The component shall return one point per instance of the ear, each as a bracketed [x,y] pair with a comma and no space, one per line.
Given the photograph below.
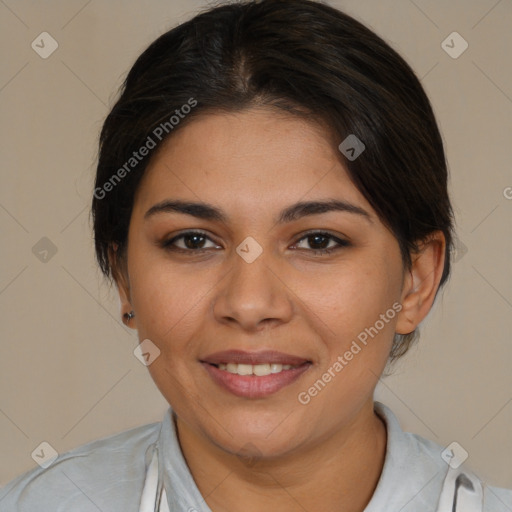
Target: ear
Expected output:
[120,275]
[421,282]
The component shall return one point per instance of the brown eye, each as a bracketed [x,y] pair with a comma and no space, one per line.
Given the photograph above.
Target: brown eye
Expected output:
[191,241]
[319,241]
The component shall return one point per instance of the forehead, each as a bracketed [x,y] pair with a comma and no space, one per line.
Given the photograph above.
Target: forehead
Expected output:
[252,160]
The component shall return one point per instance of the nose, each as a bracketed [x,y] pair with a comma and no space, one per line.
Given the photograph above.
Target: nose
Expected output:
[254,295]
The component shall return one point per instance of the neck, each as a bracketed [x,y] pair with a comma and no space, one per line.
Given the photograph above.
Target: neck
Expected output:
[338,473]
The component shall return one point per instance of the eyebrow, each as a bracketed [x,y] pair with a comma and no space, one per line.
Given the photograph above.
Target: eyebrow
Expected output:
[293,212]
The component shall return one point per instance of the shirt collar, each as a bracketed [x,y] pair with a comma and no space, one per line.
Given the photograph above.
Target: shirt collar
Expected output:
[413,471]
[182,492]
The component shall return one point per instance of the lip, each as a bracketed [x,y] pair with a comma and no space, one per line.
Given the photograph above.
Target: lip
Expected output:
[252,386]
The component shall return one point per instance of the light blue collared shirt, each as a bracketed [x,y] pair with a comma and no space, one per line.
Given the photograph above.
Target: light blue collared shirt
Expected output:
[108,475]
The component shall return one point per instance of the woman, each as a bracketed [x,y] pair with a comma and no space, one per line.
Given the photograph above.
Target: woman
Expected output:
[271,202]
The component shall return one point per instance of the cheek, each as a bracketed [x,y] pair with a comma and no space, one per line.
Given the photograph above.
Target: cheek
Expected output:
[169,300]
[170,304]
[354,318]
[349,299]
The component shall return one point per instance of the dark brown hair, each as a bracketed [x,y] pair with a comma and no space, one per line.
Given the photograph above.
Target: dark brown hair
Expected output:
[300,56]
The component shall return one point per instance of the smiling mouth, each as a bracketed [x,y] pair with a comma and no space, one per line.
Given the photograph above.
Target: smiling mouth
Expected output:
[258,370]
[258,380]
[254,374]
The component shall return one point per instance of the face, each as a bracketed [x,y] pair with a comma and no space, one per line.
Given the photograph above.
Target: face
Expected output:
[250,281]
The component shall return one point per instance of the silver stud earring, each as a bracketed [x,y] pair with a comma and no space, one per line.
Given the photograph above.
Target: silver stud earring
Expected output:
[129,315]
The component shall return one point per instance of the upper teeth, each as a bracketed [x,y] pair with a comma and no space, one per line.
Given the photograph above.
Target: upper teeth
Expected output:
[255,369]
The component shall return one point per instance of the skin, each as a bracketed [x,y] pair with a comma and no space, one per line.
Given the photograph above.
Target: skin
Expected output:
[326,455]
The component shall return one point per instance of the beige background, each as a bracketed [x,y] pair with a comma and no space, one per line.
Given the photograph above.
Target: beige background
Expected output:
[67,372]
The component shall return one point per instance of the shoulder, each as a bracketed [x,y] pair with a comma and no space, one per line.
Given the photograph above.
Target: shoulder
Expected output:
[497,499]
[417,471]
[90,477]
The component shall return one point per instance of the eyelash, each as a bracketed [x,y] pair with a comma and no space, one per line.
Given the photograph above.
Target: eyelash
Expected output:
[168,245]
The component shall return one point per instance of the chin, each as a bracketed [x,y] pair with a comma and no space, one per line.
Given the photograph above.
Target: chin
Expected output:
[253,436]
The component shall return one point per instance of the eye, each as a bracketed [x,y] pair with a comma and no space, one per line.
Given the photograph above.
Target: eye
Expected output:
[194,242]
[320,241]
[191,241]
